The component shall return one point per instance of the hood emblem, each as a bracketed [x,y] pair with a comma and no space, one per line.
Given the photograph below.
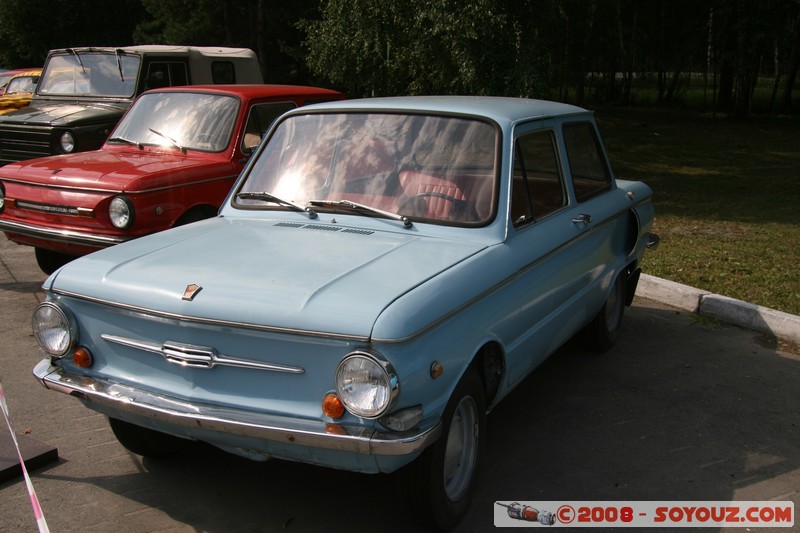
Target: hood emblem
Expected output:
[191,291]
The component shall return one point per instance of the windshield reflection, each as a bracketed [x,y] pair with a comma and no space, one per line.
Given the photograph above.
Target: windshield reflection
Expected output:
[436,168]
[191,121]
[90,73]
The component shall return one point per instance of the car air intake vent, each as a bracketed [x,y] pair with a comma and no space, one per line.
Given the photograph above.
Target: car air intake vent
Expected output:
[321,227]
[290,225]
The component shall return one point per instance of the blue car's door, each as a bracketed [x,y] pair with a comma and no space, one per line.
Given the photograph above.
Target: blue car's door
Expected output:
[568,221]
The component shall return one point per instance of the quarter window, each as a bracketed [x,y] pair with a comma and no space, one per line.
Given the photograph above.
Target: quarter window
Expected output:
[590,173]
[166,74]
[223,72]
[538,187]
[261,118]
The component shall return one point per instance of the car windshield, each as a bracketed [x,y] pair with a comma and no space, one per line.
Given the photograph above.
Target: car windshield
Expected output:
[185,120]
[82,73]
[424,167]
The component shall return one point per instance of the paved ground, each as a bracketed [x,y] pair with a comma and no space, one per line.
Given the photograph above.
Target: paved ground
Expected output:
[681,409]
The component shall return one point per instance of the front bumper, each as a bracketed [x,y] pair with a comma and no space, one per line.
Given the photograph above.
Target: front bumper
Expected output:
[173,412]
[59,235]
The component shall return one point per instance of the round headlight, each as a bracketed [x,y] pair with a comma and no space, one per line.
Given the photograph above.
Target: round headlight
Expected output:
[53,329]
[67,142]
[120,211]
[366,385]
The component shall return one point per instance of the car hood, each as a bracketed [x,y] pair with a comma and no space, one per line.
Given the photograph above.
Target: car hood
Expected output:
[44,113]
[15,101]
[305,277]
[107,170]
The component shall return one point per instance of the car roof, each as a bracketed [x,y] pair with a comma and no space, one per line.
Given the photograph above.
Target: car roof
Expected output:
[253,90]
[161,49]
[28,72]
[15,71]
[498,108]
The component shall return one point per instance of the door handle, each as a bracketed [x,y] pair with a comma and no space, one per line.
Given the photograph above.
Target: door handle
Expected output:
[582,219]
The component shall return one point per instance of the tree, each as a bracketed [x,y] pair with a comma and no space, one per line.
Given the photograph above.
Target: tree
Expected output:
[742,34]
[788,51]
[195,22]
[579,50]
[269,27]
[373,47]
[30,28]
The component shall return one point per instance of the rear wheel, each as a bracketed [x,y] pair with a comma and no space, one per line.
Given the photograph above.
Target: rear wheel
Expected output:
[146,442]
[601,333]
[438,486]
[50,261]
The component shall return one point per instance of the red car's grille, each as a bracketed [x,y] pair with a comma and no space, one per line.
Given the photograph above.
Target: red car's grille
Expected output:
[48,208]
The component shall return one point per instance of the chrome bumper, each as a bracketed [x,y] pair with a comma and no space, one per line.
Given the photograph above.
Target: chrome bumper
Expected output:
[287,430]
[65,236]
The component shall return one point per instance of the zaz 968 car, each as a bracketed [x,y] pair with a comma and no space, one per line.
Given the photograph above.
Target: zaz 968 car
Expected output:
[382,273]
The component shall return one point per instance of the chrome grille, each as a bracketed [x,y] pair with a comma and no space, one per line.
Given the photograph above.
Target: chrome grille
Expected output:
[49,208]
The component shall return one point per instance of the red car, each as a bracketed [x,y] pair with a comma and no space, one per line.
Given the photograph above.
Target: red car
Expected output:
[171,160]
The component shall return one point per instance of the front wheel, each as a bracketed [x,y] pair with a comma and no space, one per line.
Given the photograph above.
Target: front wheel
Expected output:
[50,261]
[438,486]
[146,442]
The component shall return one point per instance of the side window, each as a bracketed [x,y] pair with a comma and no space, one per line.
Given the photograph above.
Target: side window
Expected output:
[261,118]
[590,174]
[22,84]
[165,74]
[538,188]
[223,72]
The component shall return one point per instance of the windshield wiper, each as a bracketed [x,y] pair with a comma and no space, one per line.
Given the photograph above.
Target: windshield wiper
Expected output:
[361,207]
[269,197]
[123,140]
[170,139]
[119,64]
[78,57]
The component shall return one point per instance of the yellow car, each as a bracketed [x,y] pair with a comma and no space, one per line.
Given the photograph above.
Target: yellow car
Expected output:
[17,93]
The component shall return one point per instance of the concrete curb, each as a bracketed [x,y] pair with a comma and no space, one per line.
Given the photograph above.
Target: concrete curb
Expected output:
[763,319]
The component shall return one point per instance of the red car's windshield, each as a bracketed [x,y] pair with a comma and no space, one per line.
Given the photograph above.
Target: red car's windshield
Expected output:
[190,120]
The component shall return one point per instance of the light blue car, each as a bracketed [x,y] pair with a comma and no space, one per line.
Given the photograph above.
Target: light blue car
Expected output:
[383,272]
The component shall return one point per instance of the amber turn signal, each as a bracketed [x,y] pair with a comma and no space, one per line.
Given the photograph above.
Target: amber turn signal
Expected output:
[82,358]
[332,406]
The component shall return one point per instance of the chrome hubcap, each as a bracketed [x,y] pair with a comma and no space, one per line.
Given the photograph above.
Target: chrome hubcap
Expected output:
[461,450]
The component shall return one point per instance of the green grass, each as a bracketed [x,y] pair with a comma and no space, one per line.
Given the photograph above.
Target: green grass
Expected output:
[727,198]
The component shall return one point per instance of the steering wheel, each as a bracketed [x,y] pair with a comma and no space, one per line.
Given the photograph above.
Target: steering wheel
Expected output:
[457,204]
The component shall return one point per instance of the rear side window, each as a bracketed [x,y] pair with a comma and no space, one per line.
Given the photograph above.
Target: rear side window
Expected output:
[261,118]
[590,173]
[166,74]
[223,72]
[538,188]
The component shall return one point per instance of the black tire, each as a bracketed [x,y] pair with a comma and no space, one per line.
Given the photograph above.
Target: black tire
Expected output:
[602,332]
[50,261]
[195,215]
[146,442]
[437,488]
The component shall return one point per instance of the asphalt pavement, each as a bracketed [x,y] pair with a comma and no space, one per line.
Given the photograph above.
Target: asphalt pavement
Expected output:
[684,408]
